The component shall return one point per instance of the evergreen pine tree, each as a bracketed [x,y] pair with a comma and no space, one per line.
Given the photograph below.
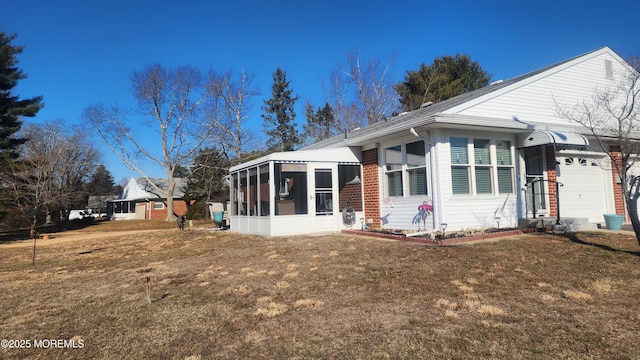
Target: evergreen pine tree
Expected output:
[101,183]
[446,77]
[11,107]
[279,116]
[321,123]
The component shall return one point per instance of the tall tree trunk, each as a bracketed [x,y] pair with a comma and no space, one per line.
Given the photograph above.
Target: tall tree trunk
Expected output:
[170,189]
[631,194]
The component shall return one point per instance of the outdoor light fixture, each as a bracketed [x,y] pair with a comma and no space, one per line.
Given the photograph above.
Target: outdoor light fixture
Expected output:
[497,219]
[444,228]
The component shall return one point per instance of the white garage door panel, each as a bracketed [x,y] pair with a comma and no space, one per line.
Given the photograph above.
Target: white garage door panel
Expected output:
[584,192]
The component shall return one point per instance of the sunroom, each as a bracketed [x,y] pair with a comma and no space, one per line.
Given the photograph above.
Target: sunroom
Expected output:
[298,192]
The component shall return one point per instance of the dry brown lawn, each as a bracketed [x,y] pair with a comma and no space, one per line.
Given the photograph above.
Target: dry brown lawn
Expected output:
[221,295]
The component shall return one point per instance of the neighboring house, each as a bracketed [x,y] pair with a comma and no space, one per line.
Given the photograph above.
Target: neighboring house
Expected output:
[472,158]
[98,204]
[141,200]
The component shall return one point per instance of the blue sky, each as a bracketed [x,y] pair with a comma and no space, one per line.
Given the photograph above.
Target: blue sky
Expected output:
[82,52]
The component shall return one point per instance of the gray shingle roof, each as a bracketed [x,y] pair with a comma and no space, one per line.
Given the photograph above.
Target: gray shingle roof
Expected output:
[140,188]
[163,184]
[429,112]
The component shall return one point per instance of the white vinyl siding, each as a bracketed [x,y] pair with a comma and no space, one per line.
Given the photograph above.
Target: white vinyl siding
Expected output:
[536,98]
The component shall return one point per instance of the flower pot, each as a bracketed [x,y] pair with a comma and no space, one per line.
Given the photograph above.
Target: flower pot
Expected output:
[613,221]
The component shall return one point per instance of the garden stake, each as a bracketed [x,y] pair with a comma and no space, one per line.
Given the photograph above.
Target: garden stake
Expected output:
[149,289]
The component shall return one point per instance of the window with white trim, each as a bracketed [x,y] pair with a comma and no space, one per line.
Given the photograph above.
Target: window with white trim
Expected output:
[482,156]
[406,169]
[460,166]
[505,166]
[393,170]
[492,170]
[416,167]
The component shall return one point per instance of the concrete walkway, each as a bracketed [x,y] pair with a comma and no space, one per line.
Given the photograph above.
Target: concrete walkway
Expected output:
[626,229]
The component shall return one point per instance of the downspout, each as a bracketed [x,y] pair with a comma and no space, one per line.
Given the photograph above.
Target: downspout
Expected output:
[381,190]
[437,194]
[521,174]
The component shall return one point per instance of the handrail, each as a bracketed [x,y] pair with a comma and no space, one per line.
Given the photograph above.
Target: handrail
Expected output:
[533,195]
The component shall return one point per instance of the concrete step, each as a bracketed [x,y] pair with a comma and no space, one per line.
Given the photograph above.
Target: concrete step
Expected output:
[566,224]
[571,227]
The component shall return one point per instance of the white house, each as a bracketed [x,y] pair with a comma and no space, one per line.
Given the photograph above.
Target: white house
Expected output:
[473,158]
[141,200]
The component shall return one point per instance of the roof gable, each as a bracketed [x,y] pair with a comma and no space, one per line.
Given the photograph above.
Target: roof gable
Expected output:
[532,97]
[533,91]
[141,188]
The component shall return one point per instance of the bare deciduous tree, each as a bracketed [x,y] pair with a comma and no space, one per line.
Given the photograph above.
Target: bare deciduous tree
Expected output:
[229,109]
[362,91]
[348,114]
[52,170]
[172,99]
[612,117]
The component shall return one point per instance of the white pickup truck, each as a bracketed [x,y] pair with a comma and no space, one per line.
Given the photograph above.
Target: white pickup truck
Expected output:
[80,214]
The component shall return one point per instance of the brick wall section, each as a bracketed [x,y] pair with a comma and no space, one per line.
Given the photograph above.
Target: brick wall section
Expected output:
[618,197]
[179,208]
[371,186]
[351,194]
[552,176]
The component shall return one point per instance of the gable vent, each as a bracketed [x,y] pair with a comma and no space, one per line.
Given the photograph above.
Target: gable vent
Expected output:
[608,69]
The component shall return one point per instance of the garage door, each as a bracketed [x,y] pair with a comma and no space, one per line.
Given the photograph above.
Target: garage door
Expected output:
[586,180]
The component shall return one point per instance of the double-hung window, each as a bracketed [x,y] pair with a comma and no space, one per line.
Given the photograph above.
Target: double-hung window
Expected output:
[460,170]
[393,170]
[505,166]
[486,167]
[406,169]
[416,168]
[482,157]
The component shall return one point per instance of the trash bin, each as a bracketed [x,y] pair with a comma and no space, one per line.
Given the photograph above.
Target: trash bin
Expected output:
[217,217]
[613,221]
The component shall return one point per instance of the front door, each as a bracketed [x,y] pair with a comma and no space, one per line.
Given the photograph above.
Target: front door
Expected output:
[536,190]
[323,205]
